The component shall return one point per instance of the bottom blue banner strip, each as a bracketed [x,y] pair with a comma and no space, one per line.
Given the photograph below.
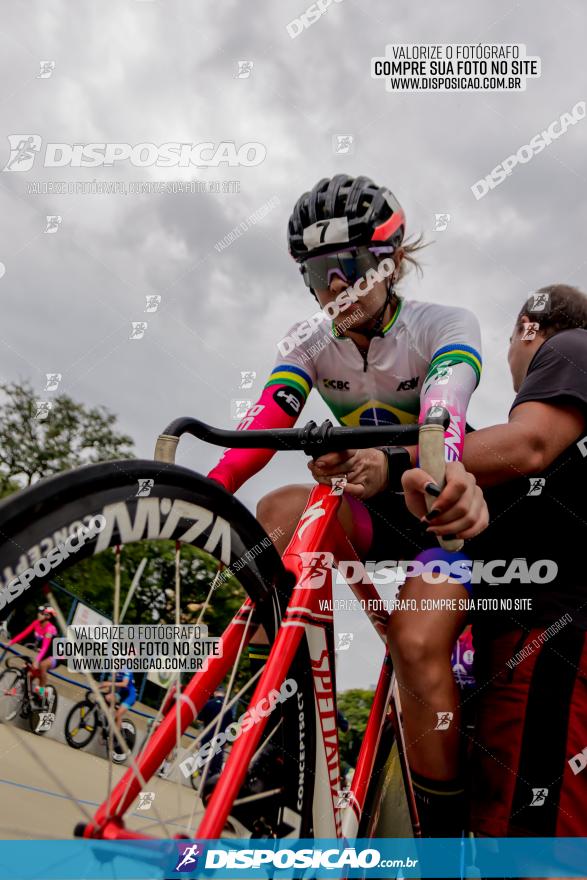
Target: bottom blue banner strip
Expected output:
[228,859]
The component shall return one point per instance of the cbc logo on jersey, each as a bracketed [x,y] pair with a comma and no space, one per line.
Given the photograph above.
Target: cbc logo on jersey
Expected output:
[337,384]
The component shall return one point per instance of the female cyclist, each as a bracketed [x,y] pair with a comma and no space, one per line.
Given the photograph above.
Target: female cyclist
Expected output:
[383,359]
[43,630]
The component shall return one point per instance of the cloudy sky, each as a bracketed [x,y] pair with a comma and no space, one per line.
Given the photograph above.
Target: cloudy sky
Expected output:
[156,71]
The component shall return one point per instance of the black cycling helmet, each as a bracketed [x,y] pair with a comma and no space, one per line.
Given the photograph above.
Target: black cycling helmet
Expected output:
[341,212]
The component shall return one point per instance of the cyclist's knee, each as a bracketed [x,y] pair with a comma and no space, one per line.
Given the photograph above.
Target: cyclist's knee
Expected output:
[420,660]
[280,506]
[409,644]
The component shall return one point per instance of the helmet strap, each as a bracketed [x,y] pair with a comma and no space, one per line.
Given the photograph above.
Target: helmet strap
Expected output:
[378,317]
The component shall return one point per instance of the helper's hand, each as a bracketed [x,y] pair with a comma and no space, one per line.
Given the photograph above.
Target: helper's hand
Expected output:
[462,510]
[365,470]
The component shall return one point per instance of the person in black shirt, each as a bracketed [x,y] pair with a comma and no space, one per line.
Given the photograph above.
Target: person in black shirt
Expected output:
[531,470]
[529,758]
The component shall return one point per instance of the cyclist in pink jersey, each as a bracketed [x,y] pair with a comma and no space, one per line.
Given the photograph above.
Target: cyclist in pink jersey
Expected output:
[43,630]
[377,358]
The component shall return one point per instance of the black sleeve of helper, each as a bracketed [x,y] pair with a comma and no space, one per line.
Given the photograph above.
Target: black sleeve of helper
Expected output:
[558,371]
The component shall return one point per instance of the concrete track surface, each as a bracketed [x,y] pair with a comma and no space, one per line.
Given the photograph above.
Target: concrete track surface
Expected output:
[33,805]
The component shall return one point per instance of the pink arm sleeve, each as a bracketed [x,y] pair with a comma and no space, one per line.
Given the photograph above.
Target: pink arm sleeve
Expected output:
[44,648]
[23,634]
[237,465]
[451,389]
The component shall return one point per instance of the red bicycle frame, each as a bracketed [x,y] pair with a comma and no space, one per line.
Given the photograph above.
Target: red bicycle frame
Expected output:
[308,615]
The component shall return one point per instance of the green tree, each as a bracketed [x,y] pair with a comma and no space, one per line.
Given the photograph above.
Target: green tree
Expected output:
[71,435]
[154,599]
[7,487]
[355,705]
[92,581]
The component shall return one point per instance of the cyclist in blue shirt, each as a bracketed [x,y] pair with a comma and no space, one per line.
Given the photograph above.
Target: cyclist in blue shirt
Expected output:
[122,688]
[210,711]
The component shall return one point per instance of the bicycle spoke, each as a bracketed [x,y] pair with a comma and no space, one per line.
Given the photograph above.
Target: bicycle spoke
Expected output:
[178,681]
[243,641]
[132,586]
[263,744]
[111,723]
[160,822]
[111,720]
[250,798]
[44,766]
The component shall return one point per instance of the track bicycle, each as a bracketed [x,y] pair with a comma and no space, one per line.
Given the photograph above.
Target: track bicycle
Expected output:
[184,509]
[17,697]
[86,718]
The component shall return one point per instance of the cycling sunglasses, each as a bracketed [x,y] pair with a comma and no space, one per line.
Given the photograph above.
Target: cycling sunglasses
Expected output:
[349,265]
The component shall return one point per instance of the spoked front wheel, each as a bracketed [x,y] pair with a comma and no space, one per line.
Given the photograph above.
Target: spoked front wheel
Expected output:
[12,692]
[81,724]
[207,562]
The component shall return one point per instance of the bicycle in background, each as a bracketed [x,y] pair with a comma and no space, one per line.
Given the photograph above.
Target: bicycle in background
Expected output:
[17,697]
[86,718]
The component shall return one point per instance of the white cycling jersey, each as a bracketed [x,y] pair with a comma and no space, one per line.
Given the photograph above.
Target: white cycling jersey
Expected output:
[428,354]
[420,344]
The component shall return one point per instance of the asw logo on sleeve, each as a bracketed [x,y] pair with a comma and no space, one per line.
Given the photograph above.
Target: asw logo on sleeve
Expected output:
[453,438]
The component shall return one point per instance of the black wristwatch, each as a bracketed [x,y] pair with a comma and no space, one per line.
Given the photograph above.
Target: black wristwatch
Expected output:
[398,462]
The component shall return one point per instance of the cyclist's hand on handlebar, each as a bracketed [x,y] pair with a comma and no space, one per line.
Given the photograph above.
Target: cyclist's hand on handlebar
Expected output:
[365,470]
[462,508]
[332,464]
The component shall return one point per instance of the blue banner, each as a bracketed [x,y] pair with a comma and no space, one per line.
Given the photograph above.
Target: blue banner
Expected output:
[227,859]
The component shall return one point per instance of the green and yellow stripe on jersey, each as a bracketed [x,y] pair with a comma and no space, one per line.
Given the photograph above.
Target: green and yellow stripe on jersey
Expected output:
[289,374]
[384,330]
[454,354]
